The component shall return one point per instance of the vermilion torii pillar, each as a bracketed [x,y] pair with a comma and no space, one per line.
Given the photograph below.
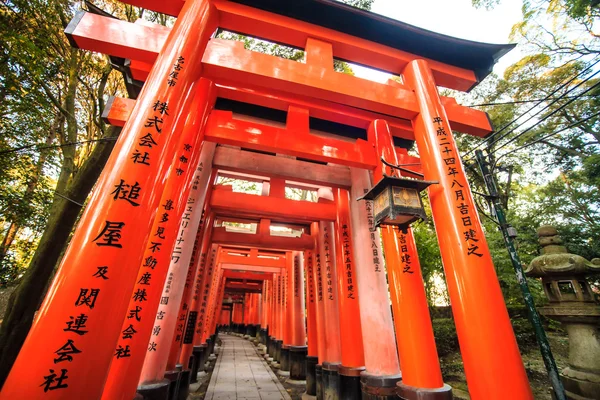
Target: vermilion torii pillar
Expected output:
[312,356]
[287,315]
[181,274]
[112,232]
[353,360]
[330,377]
[131,350]
[298,348]
[416,346]
[493,365]
[320,310]
[201,350]
[195,301]
[380,352]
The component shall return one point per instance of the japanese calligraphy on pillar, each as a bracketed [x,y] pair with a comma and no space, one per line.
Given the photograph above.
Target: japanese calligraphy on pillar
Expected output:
[373,235]
[162,235]
[319,279]
[204,291]
[459,187]
[328,257]
[111,232]
[174,74]
[297,275]
[347,257]
[405,257]
[309,270]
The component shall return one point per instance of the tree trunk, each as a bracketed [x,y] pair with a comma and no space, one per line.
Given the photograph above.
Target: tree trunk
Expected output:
[14,227]
[26,299]
[11,233]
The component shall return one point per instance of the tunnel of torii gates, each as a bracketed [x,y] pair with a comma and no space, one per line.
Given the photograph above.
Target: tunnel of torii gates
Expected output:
[155,267]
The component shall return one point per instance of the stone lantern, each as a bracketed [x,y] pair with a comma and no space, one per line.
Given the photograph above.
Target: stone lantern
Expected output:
[571,301]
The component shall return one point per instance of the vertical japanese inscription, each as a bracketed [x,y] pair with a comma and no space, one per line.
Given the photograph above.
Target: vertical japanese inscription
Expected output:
[328,269]
[458,186]
[373,235]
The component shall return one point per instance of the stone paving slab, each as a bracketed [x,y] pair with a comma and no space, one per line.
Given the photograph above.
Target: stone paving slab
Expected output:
[240,374]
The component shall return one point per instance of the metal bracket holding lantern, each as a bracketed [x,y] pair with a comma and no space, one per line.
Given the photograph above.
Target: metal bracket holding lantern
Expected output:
[397,201]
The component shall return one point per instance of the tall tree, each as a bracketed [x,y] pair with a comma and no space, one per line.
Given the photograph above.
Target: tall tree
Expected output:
[52,95]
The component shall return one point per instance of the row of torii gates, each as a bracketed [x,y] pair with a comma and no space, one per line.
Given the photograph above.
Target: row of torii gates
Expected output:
[142,285]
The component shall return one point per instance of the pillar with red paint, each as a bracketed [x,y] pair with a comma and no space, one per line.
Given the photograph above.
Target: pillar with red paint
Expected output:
[139,322]
[422,360]
[112,232]
[332,362]
[351,341]
[479,311]
[298,348]
[181,273]
[382,369]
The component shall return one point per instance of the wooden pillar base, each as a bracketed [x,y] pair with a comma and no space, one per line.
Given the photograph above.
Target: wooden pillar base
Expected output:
[331,381]
[379,387]
[198,362]
[285,359]
[270,346]
[311,377]
[155,391]
[405,392]
[263,336]
[184,385]
[298,362]
[278,345]
[211,344]
[319,381]
[173,377]
[350,388]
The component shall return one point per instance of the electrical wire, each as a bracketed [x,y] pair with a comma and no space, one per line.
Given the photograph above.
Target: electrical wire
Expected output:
[18,149]
[493,135]
[500,103]
[574,124]
[544,118]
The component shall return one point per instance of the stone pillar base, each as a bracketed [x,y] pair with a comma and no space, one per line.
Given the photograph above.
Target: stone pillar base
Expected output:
[277,355]
[269,345]
[173,377]
[331,381]
[308,397]
[579,389]
[379,387]
[319,381]
[184,385]
[155,391]
[213,341]
[263,336]
[298,362]
[350,388]
[311,377]
[198,362]
[405,392]
[285,358]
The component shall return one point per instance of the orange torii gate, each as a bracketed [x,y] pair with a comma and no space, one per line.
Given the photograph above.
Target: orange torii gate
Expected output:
[209,105]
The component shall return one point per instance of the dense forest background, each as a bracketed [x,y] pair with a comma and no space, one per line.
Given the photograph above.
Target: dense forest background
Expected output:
[53,142]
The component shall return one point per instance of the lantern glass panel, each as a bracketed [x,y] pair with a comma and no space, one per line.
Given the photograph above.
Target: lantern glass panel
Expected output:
[406,197]
[382,202]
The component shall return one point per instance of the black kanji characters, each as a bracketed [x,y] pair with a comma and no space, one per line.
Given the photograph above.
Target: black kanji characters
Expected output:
[87,297]
[110,234]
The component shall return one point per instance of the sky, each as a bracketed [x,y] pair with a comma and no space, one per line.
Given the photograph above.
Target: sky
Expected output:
[456,18]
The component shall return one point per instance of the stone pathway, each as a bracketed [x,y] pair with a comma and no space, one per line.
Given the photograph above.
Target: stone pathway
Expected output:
[240,373]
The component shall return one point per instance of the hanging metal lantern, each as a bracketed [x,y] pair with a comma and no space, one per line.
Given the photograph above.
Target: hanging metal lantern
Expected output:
[397,201]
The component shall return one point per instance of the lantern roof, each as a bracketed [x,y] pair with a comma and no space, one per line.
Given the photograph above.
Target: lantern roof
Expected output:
[388,181]
[475,56]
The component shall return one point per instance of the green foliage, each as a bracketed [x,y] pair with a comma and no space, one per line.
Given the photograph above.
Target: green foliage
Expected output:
[446,339]
[50,95]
